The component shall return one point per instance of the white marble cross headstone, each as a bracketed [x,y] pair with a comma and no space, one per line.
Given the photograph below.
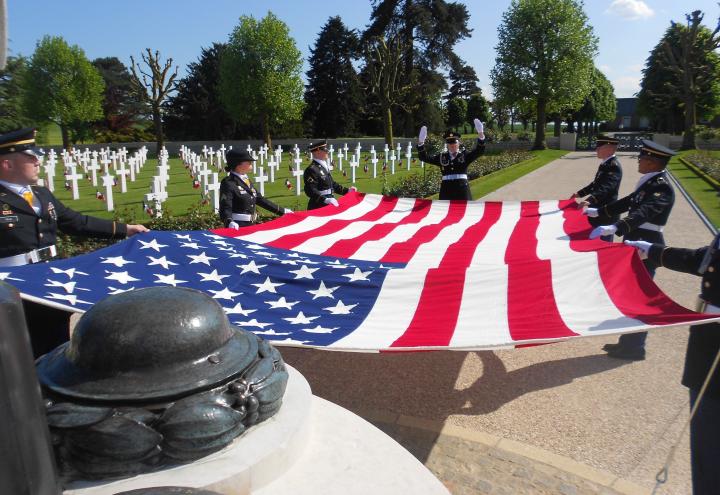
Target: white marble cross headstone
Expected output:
[374,162]
[271,168]
[123,172]
[392,162]
[74,177]
[108,181]
[261,179]
[297,173]
[408,154]
[354,164]
[93,169]
[214,188]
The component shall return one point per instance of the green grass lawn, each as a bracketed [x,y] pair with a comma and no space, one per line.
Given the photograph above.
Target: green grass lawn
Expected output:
[182,197]
[704,195]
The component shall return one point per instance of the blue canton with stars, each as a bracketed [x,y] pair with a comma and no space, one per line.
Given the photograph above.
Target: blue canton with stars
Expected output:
[284,296]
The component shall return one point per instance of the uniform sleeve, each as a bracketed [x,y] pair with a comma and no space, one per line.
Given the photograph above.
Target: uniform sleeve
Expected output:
[586,190]
[71,222]
[655,202]
[422,154]
[678,259]
[268,205]
[478,150]
[226,201]
[607,186]
[311,185]
[339,188]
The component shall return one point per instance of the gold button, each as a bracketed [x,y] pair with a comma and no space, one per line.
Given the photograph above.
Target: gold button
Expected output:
[11,225]
[706,284]
[39,220]
[40,235]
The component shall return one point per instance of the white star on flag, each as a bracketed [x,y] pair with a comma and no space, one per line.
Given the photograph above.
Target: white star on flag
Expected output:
[323,291]
[238,310]
[319,329]
[200,258]
[281,303]
[112,290]
[68,286]
[267,286]
[191,245]
[70,272]
[250,267]
[184,236]
[168,279]
[340,308]
[152,245]
[212,277]
[224,294]
[269,332]
[357,275]
[304,272]
[337,264]
[71,298]
[252,323]
[6,276]
[301,319]
[162,261]
[118,261]
[121,277]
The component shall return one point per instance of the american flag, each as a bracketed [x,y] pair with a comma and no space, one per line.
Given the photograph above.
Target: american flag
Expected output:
[384,273]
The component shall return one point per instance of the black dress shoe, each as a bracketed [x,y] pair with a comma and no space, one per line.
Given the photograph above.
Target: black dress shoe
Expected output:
[611,347]
[631,354]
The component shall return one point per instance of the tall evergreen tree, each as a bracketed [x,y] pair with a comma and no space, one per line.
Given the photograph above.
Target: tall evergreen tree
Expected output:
[428,30]
[122,105]
[333,95]
[195,111]
[11,93]
[463,83]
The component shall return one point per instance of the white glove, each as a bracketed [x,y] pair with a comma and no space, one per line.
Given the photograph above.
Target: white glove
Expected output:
[591,212]
[479,128]
[286,211]
[352,189]
[603,230]
[331,201]
[423,135]
[643,247]
[233,225]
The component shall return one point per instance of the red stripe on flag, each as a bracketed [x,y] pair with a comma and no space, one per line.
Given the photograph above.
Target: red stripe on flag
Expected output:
[532,310]
[347,247]
[346,202]
[636,296]
[437,312]
[290,241]
[402,252]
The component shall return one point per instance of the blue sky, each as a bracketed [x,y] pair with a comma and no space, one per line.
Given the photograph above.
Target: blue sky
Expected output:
[627,29]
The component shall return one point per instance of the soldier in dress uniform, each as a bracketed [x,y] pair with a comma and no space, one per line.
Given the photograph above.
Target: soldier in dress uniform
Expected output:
[702,350]
[238,196]
[604,187]
[30,217]
[319,184]
[454,162]
[648,209]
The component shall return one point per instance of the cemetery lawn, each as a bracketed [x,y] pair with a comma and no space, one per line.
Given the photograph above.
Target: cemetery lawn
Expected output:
[182,197]
[704,195]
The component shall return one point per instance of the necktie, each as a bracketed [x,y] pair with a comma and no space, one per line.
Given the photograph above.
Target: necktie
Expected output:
[28,196]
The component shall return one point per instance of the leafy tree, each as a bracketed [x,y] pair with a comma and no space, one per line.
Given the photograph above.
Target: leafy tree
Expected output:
[682,71]
[545,53]
[154,86]
[260,74]
[11,95]
[63,87]
[122,105]
[477,107]
[428,31]
[600,104]
[195,110]
[333,94]
[456,112]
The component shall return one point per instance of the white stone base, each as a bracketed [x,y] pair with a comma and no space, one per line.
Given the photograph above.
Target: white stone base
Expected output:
[310,447]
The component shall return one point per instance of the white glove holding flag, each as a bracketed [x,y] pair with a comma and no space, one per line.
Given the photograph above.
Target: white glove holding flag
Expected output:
[286,211]
[423,135]
[643,247]
[352,189]
[479,128]
[591,212]
[233,225]
[331,201]
[603,230]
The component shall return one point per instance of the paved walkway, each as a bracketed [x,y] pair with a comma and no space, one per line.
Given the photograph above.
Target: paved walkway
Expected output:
[561,418]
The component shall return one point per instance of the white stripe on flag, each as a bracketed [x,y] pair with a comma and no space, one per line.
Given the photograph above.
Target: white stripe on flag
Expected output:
[368,203]
[483,311]
[318,245]
[580,294]
[399,296]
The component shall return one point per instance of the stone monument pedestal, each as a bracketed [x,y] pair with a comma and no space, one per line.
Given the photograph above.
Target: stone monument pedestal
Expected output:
[309,446]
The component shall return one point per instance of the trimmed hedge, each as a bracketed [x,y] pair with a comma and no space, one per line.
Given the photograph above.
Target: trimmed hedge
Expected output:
[705,161]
